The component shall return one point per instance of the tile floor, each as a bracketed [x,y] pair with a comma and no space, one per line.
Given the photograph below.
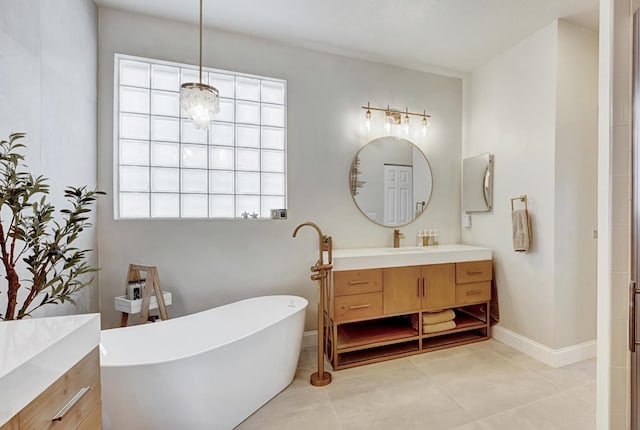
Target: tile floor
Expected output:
[482,386]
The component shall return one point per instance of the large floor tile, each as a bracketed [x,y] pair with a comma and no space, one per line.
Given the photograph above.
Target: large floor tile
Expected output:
[569,410]
[486,382]
[298,406]
[402,399]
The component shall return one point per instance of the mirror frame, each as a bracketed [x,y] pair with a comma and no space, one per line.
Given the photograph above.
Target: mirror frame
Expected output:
[486,183]
[353,196]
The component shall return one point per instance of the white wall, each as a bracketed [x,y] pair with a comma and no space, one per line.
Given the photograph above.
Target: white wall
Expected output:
[208,263]
[511,113]
[576,161]
[533,108]
[48,71]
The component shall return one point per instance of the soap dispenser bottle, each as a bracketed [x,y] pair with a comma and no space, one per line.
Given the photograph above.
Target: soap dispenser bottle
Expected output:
[419,238]
[434,239]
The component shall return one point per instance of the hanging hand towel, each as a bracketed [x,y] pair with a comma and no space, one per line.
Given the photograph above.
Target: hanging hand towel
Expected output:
[521,230]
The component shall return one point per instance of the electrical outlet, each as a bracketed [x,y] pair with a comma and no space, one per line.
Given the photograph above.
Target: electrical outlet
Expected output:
[466,221]
[278,214]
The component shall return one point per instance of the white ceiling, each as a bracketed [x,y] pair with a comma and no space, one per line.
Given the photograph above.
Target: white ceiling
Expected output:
[455,35]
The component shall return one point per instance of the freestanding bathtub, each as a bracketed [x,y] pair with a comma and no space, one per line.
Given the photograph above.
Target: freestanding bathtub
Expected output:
[209,370]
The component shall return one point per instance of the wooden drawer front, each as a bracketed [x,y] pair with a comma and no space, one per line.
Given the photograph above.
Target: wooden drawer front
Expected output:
[473,271]
[93,421]
[357,282]
[474,292]
[38,414]
[11,425]
[357,306]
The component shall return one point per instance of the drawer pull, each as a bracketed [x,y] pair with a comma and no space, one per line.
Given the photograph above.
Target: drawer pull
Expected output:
[358,282]
[473,292]
[70,404]
[474,272]
[359,307]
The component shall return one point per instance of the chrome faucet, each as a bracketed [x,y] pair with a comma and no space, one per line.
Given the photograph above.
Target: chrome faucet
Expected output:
[396,237]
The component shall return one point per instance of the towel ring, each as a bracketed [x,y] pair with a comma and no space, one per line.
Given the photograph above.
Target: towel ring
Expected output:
[522,198]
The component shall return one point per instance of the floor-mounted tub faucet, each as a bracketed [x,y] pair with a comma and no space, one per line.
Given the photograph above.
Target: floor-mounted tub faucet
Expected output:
[321,272]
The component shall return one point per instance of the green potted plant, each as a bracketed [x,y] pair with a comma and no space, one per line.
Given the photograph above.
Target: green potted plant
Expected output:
[37,240]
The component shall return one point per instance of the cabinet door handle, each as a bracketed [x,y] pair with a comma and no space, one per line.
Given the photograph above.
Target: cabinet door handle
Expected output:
[352,307]
[632,316]
[418,287]
[473,292]
[424,287]
[474,272]
[70,404]
[358,282]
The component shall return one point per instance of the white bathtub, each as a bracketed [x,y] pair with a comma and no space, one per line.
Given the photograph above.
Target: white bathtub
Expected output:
[209,370]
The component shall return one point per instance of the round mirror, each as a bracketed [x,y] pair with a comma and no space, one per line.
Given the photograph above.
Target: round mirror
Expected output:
[390,181]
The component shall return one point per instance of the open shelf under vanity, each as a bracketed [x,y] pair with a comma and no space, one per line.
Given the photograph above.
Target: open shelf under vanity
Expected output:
[380,339]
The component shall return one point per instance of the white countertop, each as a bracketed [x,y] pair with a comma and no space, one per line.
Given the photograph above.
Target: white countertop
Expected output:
[35,352]
[370,258]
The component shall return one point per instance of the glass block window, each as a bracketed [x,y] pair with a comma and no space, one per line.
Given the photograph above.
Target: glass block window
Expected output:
[166,168]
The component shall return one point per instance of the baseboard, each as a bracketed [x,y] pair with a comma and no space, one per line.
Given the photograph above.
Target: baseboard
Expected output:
[551,357]
[309,339]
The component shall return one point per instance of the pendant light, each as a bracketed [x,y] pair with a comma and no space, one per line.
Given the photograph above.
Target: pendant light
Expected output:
[199,101]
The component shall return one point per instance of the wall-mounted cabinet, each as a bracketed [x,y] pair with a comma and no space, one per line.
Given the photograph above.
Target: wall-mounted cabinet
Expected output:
[376,314]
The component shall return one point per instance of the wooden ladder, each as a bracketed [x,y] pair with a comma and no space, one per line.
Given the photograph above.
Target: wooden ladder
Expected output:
[152,285]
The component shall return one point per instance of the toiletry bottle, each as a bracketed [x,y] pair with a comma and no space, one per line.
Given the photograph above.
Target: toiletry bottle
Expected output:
[419,238]
[435,238]
[425,237]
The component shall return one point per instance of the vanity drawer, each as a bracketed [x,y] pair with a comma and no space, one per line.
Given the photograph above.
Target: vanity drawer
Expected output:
[93,421]
[473,271]
[473,292]
[357,306]
[357,282]
[12,424]
[38,414]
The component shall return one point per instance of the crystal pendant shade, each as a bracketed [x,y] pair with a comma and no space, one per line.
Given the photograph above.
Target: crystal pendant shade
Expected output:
[200,103]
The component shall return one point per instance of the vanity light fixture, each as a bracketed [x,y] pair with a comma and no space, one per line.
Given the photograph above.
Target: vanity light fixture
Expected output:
[406,122]
[199,101]
[424,123]
[367,117]
[394,117]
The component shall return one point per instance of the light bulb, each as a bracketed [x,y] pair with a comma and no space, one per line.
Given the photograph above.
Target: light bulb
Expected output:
[388,122]
[367,121]
[406,123]
[424,125]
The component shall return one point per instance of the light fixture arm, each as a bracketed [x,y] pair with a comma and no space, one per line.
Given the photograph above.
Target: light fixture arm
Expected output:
[389,110]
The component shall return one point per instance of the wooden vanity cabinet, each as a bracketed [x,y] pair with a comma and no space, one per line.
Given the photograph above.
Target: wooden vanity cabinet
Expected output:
[74,398]
[13,424]
[370,310]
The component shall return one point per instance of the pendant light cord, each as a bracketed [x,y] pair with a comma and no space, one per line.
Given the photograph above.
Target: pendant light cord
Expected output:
[200,42]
